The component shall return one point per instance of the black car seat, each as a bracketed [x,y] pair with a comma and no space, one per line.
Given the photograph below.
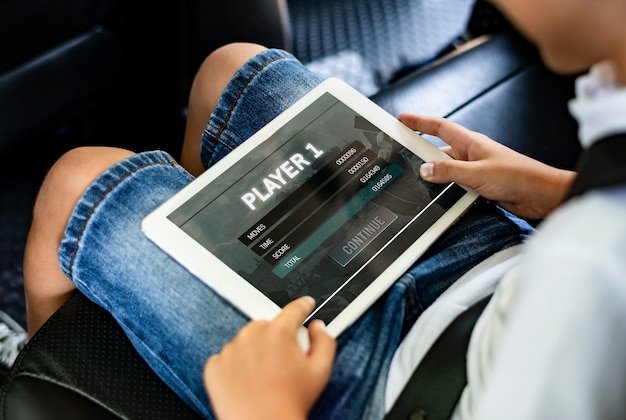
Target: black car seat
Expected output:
[81,365]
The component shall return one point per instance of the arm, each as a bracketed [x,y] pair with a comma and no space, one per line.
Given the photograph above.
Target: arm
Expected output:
[519,184]
[264,374]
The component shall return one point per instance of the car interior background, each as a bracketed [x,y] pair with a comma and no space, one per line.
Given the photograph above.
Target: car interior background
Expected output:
[75,73]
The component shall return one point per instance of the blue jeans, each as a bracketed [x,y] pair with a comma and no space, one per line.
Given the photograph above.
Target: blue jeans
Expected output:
[176,322]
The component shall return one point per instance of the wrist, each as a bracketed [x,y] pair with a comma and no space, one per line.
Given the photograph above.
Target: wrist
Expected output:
[555,184]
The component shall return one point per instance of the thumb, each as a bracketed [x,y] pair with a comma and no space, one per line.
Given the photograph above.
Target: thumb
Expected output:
[449,170]
[322,348]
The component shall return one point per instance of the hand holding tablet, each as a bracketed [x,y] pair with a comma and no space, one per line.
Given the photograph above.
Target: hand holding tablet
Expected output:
[326,201]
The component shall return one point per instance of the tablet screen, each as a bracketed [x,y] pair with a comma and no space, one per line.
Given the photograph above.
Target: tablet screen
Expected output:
[320,208]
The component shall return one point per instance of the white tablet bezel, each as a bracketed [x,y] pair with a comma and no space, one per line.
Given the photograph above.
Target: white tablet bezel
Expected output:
[234,288]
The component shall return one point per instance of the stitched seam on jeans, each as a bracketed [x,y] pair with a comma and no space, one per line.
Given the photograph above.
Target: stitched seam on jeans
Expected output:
[239,94]
[412,302]
[97,202]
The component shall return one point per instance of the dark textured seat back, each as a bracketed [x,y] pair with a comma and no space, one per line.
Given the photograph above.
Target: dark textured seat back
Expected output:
[81,365]
[82,362]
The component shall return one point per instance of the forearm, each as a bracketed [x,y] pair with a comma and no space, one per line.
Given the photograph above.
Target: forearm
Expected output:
[518,183]
[548,187]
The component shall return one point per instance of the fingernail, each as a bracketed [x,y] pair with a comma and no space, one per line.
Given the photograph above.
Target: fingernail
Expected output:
[426,170]
[310,301]
[320,324]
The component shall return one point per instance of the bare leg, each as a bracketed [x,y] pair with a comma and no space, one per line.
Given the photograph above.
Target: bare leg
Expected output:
[46,286]
[211,79]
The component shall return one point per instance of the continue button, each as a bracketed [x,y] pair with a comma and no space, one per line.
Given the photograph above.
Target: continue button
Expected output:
[362,236]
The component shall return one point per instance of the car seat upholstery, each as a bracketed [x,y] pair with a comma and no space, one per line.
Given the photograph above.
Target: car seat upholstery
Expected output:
[495,84]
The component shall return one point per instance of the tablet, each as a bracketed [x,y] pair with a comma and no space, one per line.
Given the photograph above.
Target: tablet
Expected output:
[326,200]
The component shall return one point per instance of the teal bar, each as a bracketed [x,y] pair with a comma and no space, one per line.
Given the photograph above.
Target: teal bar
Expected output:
[293,259]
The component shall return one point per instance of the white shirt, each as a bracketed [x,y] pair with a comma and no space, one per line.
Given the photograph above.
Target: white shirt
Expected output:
[600,108]
[552,343]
